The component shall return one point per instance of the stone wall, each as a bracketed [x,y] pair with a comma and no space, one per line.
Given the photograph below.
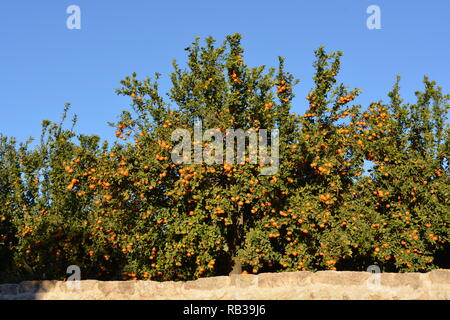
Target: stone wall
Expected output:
[287,285]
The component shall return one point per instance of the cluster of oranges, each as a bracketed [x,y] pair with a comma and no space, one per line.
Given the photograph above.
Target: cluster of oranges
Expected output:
[346,99]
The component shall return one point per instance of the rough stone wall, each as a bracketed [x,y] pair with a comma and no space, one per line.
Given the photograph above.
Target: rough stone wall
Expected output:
[266,286]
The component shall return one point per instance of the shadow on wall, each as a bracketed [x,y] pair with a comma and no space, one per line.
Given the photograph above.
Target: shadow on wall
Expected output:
[26,290]
[30,290]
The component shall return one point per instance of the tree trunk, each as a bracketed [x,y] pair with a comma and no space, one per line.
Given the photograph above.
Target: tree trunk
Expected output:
[237,267]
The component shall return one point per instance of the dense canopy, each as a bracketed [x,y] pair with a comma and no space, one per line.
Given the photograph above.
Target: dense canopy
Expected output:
[356,185]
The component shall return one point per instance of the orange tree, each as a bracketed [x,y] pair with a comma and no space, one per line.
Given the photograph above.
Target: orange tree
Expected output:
[49,210]
[129,211]
[301,228]
[402,208]
[8,156]
[190,220]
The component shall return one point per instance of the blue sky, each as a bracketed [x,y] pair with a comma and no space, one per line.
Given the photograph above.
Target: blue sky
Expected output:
[44,65]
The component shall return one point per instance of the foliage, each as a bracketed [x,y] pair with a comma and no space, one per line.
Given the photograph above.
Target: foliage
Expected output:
[127,211]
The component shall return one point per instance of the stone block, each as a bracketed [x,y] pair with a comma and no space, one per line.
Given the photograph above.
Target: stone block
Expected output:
[440,276]
[126,288]
[243,280]
[343,278]
[413,280]
[288,279]
[29,286]
[9,289]
[213,283]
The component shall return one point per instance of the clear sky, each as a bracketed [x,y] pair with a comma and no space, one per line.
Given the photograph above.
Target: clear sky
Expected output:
[43,64]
